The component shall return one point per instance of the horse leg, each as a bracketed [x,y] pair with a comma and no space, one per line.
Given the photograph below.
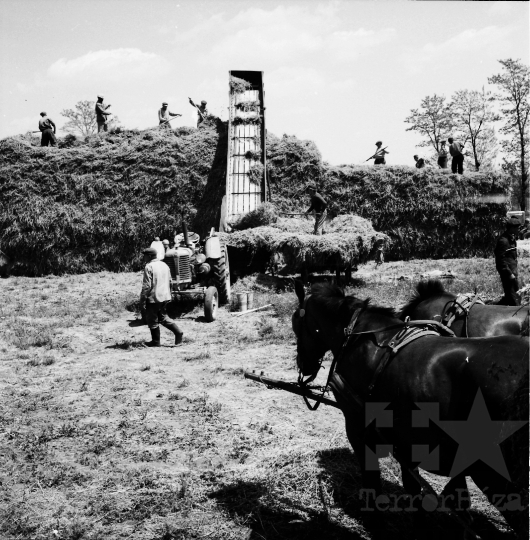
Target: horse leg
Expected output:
[455,497]
[505,496]
[412,488]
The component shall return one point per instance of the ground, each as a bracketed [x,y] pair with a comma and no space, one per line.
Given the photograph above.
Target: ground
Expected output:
[101,438]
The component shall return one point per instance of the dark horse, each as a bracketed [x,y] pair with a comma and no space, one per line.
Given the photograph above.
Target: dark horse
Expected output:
[453,378]
[431,300]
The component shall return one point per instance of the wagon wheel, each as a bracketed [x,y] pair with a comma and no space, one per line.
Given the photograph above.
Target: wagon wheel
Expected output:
[211,300]
[221,276]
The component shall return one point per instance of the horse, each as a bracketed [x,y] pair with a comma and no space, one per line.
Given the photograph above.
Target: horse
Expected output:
[431,301]
[446,376]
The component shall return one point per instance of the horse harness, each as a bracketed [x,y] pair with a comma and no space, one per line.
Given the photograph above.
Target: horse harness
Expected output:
[409,331]
[459,307]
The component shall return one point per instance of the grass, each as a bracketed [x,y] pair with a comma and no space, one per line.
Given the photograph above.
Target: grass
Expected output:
[96,446]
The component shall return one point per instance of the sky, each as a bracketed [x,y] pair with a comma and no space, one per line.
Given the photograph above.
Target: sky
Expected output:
[343,74]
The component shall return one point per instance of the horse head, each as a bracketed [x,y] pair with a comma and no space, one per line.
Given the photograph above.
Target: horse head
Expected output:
[318,324]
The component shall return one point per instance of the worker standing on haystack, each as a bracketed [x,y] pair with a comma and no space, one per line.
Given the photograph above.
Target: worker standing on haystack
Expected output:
[101,115]
[156,293]
[442,156]
[506,261]
[379,155]
[318,207]
[202,111]
[455,149]
[48,130]
[164,116]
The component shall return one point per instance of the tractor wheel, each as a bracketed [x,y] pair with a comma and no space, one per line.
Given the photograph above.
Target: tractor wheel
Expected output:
[211,300]
[221,276]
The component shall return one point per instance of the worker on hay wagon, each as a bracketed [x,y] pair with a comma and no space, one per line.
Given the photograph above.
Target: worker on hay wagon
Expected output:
[48,130]
[202,111]
[319,209]
[506,261]
[455,149]
[442,155]
[102,114]
[164,115]
[155,295]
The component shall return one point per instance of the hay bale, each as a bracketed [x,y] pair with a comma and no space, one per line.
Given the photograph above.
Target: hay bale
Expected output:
[265,214]
[350,242]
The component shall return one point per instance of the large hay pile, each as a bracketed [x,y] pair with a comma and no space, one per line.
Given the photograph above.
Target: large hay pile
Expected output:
[94,204]
[349,241]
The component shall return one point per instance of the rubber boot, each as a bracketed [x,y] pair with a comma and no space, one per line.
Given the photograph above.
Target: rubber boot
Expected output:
[155,337]
[176,330]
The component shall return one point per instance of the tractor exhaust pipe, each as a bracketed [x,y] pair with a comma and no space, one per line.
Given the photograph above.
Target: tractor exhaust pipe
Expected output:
[185,232]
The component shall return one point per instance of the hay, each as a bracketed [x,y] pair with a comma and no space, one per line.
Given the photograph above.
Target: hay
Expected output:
[253,154]
[237,85]
[350,242]
[265,214]
[247,120]
[256,172]
[249,106]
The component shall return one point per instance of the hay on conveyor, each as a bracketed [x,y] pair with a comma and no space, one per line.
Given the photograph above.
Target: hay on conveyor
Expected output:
[349,242]
[255,173]
[248,120]
[249,106]
[237,85]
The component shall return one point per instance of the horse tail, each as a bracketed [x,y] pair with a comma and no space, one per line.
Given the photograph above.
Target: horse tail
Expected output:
[424,291]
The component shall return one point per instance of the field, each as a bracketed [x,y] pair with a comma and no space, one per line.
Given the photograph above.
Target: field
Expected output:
[101,438]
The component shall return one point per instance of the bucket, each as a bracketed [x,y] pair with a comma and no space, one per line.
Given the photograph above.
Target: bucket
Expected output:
[241,301]
[519,214]
[250,300]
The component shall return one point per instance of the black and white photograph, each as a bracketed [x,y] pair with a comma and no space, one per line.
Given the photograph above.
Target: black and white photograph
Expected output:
[264,269]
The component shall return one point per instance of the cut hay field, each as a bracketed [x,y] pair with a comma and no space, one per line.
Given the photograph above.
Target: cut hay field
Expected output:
[101,438]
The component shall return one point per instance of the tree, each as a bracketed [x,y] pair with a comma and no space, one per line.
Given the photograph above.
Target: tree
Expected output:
[82,120]
[432,121]
[487,149]
[472,115]
[514,86]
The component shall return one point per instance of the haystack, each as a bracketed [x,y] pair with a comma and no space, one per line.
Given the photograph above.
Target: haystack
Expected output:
[348,241]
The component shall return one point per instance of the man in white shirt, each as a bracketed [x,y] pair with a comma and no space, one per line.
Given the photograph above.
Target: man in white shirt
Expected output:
[164,116]
[156,293]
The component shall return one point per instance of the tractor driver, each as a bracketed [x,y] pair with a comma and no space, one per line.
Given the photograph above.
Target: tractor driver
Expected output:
[156,293]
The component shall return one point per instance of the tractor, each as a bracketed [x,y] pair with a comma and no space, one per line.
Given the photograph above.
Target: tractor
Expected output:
[200,269]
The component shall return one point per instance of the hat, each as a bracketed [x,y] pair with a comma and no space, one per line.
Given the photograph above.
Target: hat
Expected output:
[450,139]
[379,142]
[203,102]
[165,242]
[43,113]
[100,96]
[150,251]
[512,221]
[443,142]
[415,155]
[164,102]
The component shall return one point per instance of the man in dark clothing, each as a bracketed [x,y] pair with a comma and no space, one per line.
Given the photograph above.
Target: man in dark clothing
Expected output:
[101,115]
[318,207]
[202,111]
[155,295]
[48,130]
[420,162]
[506,261]
[442,156]
[455,149]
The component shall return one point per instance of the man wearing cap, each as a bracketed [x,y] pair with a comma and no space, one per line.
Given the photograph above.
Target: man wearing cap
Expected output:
[156,293]
[164,116]
[379,155]
[101,114]
[48,130]
[165,244]
[455,149]
[202,111]
[319,208]
[506,261]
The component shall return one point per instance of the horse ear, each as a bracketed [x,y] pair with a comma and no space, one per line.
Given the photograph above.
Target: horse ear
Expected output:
[300,291]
